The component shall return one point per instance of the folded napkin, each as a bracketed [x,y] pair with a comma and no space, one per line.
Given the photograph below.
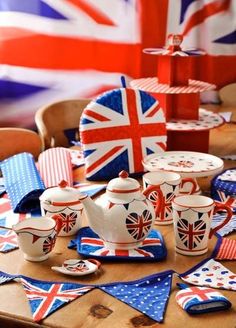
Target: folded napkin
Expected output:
[55,165]
[195,300]
[22,182]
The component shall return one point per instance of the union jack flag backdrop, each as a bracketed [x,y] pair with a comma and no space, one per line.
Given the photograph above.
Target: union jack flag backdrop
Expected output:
[52,50]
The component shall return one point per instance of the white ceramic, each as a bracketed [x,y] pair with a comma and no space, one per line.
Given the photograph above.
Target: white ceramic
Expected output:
[63,201]
[188,164]
[189,186]
[168,183]
[78,267]
[123,216]
[37,237]
[192,215]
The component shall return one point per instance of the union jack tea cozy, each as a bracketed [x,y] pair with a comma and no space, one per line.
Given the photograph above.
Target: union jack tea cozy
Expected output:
[88,244]
[23,183]
[118,129]
[196,300]
[223,188]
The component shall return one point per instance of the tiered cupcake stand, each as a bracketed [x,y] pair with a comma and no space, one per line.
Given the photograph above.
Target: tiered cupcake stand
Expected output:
[188,125]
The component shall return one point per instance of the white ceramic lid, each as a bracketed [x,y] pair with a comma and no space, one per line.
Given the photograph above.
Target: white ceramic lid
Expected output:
[60,194]
[123,184]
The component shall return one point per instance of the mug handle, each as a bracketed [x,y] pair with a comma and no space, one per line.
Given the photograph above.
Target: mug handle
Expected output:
[220,207]
[58,221]
[160,200]
[192,181]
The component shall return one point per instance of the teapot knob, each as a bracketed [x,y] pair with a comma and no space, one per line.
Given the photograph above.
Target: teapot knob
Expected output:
[123,174]
[63,184]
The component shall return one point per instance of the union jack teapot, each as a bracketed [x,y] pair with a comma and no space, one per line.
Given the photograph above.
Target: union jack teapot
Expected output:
[123,216]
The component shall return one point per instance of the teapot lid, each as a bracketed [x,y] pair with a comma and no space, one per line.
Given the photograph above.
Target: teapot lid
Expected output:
[62,194]
[123,184]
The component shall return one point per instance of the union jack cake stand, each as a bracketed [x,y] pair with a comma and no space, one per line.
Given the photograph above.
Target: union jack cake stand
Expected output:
[188,164]
[88,244]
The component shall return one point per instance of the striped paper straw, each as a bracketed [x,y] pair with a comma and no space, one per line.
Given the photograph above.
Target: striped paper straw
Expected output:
[55,165]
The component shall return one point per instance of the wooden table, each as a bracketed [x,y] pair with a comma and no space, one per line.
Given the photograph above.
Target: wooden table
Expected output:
[98,309]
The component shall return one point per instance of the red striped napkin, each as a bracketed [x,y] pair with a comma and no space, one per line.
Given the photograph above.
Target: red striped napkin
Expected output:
[55,165]
[227,250]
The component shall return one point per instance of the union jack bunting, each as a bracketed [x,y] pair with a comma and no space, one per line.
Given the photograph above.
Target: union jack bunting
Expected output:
[6,277]
[46,297]
[191,234]
[7,217]
[118,129]
[201,299]
[139,225]
[8,240]
[148,295]
[210,273]
[88,244]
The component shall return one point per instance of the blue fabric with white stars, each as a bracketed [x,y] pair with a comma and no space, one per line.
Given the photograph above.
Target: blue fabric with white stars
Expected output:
[148,295]
[22,182]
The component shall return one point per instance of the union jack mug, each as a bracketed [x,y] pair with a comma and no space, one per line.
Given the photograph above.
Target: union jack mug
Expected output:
[168,184]
[37,237]
[192,215]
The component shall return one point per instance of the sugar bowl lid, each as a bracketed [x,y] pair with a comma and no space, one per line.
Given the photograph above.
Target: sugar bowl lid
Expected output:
[124,184]
[61,195]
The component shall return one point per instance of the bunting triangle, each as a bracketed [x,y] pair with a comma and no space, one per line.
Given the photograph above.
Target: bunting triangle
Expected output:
[6,277]
[148,295]
[46,297]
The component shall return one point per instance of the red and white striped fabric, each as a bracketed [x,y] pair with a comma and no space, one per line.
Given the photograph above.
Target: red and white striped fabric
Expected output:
[54,166]
[227,250]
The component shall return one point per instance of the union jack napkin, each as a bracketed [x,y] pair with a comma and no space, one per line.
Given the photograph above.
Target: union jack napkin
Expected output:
[210,273]
[7,217]
[148,295]
[225,249]
[8,240]
[23,182]
[89,244]
[46,297]
[195,300]
[118,129]
[55,165]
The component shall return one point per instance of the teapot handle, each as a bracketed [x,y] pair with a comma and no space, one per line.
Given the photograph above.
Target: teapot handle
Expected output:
[58,221]
[160,199]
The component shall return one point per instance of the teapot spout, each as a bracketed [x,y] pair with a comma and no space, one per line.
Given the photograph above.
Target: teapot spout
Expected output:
[94,214]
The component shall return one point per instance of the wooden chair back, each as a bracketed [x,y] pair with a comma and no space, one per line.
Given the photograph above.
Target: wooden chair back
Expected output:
[53,119]
[18,140]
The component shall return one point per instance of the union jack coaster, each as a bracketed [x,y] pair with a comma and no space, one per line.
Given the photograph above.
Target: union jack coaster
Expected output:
[8,240]
[89,244]
[195,300]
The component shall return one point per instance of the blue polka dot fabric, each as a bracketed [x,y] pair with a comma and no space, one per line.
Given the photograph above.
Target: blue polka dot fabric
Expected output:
[22,182]
[224,191]
[149,295]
